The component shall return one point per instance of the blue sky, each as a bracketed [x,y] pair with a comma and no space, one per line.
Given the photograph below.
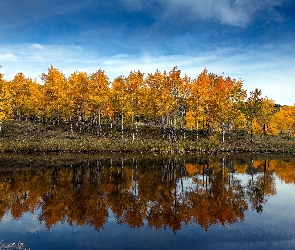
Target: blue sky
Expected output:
[252,40]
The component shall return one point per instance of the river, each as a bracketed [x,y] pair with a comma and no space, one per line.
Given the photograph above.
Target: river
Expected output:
[61,201]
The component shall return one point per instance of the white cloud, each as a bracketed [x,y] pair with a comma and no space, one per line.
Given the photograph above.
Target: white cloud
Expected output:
[233,12]
[8,57]
[37,46]
[270,68]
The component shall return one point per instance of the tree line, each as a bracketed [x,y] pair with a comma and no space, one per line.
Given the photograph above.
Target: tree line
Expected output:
[172,102]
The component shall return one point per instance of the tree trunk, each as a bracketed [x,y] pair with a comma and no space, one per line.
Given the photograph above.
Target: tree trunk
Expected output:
[174,128]
[99,131]
[122,125]
[136,128]
[133,135]
[251,133]
[264,129]
[197,130]
[223,132]
[163,127]
[111,127]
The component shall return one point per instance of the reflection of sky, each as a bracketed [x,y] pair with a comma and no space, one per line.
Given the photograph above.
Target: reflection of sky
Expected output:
[29,223]
[186,184]
[189,184]
[272,229]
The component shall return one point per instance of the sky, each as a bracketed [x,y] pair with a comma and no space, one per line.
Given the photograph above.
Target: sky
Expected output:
[248,40]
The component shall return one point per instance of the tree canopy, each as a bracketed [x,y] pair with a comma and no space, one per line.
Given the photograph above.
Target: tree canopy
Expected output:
[165,99]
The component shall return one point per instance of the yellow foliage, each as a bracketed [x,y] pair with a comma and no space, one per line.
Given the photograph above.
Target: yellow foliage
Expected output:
[5,100]
[272,128]
[284,120]
[209,101]
[191,169]
[190,120]
[257,129]
[284,170]
[240,168]
[239,120]
[100,95]
[56,94]
[258,163]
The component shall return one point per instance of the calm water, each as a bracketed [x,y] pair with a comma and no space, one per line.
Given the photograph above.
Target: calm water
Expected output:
[147,202]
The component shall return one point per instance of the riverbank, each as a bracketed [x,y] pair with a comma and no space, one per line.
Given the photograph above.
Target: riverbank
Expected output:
[28,137]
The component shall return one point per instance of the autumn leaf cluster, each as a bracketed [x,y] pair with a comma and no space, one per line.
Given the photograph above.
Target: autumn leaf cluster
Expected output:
[208,102]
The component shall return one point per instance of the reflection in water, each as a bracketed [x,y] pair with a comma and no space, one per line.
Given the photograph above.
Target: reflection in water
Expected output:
[161,193]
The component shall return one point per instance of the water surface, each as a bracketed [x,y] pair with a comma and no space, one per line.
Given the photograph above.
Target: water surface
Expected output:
[148,202]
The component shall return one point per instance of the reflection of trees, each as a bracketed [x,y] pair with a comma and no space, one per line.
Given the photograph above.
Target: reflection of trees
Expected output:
[162,193]
[262,187]
[223,202]
[161,200]
[285,170]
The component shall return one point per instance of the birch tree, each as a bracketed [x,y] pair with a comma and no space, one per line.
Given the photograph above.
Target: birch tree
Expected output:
[56,95]
[99,98]
[5,101]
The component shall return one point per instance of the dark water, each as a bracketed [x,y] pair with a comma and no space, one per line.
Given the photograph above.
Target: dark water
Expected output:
[147,202]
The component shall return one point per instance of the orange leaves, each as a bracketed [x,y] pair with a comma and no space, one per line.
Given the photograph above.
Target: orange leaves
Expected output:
[215,99]
[284,120]
[191,169]
[209,102]
[120,97]
[190,119]
[18,89]
[134,87]
[5,100]
[56,95]
[79,92]
[159,97]
[99,94]
[35,101]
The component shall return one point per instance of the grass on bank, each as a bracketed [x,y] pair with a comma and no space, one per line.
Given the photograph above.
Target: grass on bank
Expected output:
[26,136]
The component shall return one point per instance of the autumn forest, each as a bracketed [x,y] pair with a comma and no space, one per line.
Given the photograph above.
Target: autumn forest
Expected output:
[173,103]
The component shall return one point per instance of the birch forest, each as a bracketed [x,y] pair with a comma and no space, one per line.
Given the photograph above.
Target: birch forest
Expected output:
[178,106]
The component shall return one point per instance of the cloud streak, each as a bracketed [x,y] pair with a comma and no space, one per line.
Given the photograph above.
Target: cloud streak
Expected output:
[261,68]
[236,13]
[231,12]
[248,39]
